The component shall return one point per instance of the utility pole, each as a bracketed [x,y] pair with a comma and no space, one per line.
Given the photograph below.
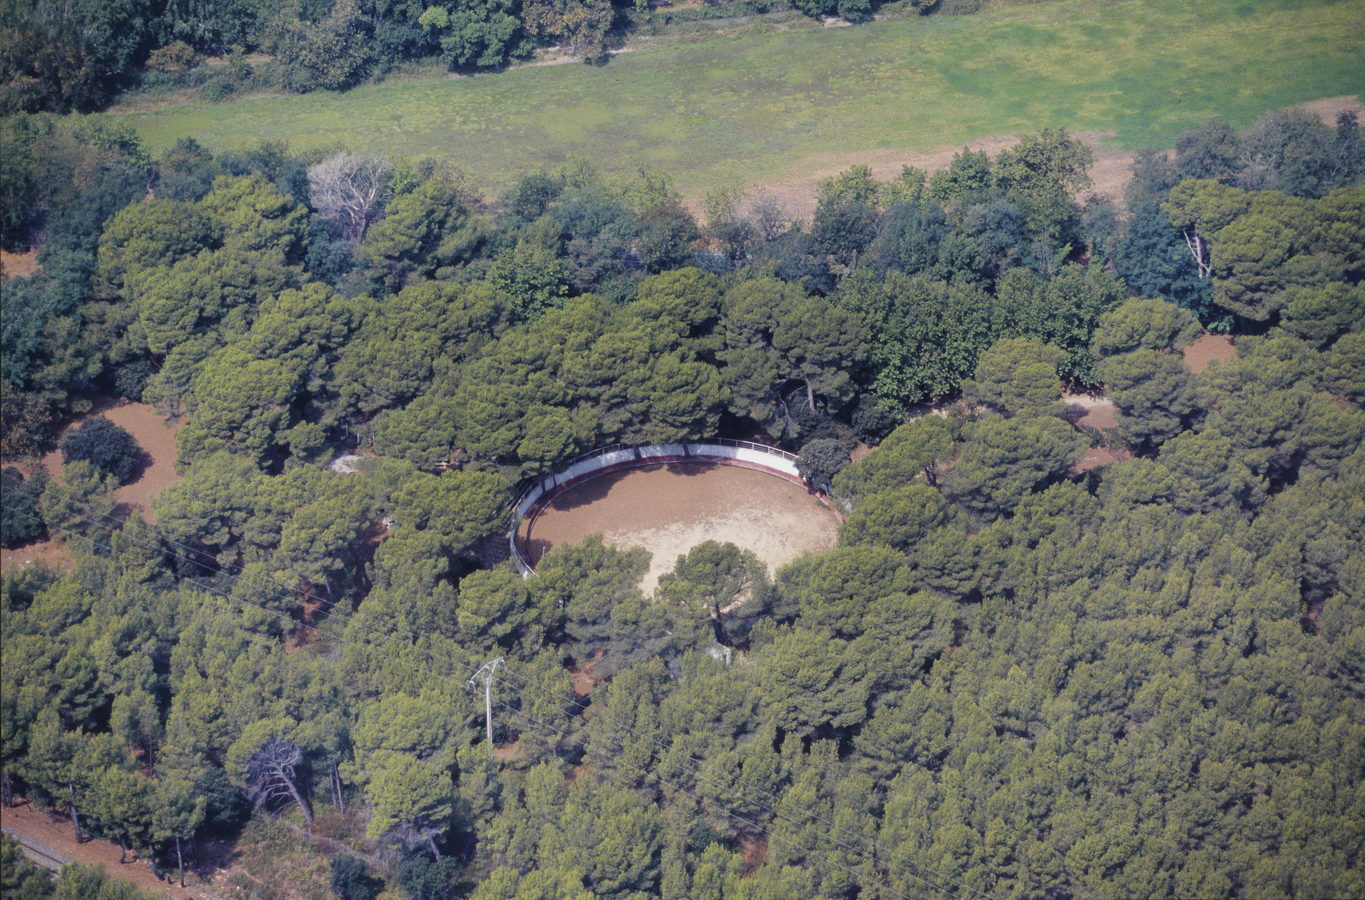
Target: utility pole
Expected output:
[486,673]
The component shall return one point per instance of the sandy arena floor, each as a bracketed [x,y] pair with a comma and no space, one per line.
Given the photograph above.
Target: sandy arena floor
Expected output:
[670,509]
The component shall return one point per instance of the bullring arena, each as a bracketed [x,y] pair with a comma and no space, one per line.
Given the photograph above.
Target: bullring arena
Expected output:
[668,499]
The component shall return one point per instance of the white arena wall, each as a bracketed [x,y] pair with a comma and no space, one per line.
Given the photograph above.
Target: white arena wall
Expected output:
[749,455]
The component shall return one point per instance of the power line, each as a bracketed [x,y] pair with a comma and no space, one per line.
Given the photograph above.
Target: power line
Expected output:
[604,725]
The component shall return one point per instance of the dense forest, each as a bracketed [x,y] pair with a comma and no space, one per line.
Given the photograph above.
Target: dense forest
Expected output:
[1008,679]
[79,54]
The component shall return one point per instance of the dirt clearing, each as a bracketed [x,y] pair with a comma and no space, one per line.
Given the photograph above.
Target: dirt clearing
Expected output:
[1209,348]
[157,440]
[670,509]
[1109,175]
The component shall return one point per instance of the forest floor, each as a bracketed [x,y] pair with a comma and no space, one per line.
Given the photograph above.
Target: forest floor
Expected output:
[670,509]
[157,440]
[52,834]
[1094,411]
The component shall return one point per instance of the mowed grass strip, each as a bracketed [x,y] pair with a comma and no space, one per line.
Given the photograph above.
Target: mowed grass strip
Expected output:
[760,105]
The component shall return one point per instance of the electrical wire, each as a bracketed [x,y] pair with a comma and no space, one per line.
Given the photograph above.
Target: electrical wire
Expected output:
[606,726]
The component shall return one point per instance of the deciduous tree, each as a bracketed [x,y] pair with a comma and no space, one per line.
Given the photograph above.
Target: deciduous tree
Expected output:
[351,190]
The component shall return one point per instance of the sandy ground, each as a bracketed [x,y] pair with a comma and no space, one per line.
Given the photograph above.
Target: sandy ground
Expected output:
[1093,411]
[796,195]
[157,440]
[1110,173]
[53,835]
[1209,348]
[670,509]
[1329,108]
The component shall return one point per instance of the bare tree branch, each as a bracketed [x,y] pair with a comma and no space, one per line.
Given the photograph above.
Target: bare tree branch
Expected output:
[273,776]
[350,190]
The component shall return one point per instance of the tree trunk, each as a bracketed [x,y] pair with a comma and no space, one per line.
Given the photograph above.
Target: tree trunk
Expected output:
[6,791]
[180,858]
[122,850]
[1196,245]
[336,789]
[303,804]
[75,814]
[431,842]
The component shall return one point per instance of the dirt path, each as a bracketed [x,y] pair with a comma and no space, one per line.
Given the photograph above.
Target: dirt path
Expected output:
[670,509]
[53,836]
[154,436]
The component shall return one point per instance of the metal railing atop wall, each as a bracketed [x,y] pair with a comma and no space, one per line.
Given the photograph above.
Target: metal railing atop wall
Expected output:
[651,454]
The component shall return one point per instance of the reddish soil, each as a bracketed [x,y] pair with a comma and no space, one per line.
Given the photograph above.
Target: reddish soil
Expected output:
[1094,458]
[583,681]
[1093,413]
[52,553]
[502,754]
[53,833]
[157,440]
[754,852]
[670,509]
[1209,348]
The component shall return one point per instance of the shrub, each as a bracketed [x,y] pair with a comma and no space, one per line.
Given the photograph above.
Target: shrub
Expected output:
[177,57]
[349,880]
[22,521]
[219,88]
[107,447]
[131,378]
[821,460]
[872,422]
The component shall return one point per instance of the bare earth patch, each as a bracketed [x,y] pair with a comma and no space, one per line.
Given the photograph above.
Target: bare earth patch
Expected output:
[1110,174]
[1092,413]
[157,440]
[1209,349]
[52,553]
[1328,108]
[796,195]
[1094,458]
[18,265]
[1090,410]
[670,509]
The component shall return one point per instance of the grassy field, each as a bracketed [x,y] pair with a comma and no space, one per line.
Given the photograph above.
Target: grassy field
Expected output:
[759,105]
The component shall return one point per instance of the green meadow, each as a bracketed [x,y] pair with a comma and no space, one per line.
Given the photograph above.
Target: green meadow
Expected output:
[764,103]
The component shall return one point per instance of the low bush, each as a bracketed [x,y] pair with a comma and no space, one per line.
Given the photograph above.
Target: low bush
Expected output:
[21,522]
[107,447]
